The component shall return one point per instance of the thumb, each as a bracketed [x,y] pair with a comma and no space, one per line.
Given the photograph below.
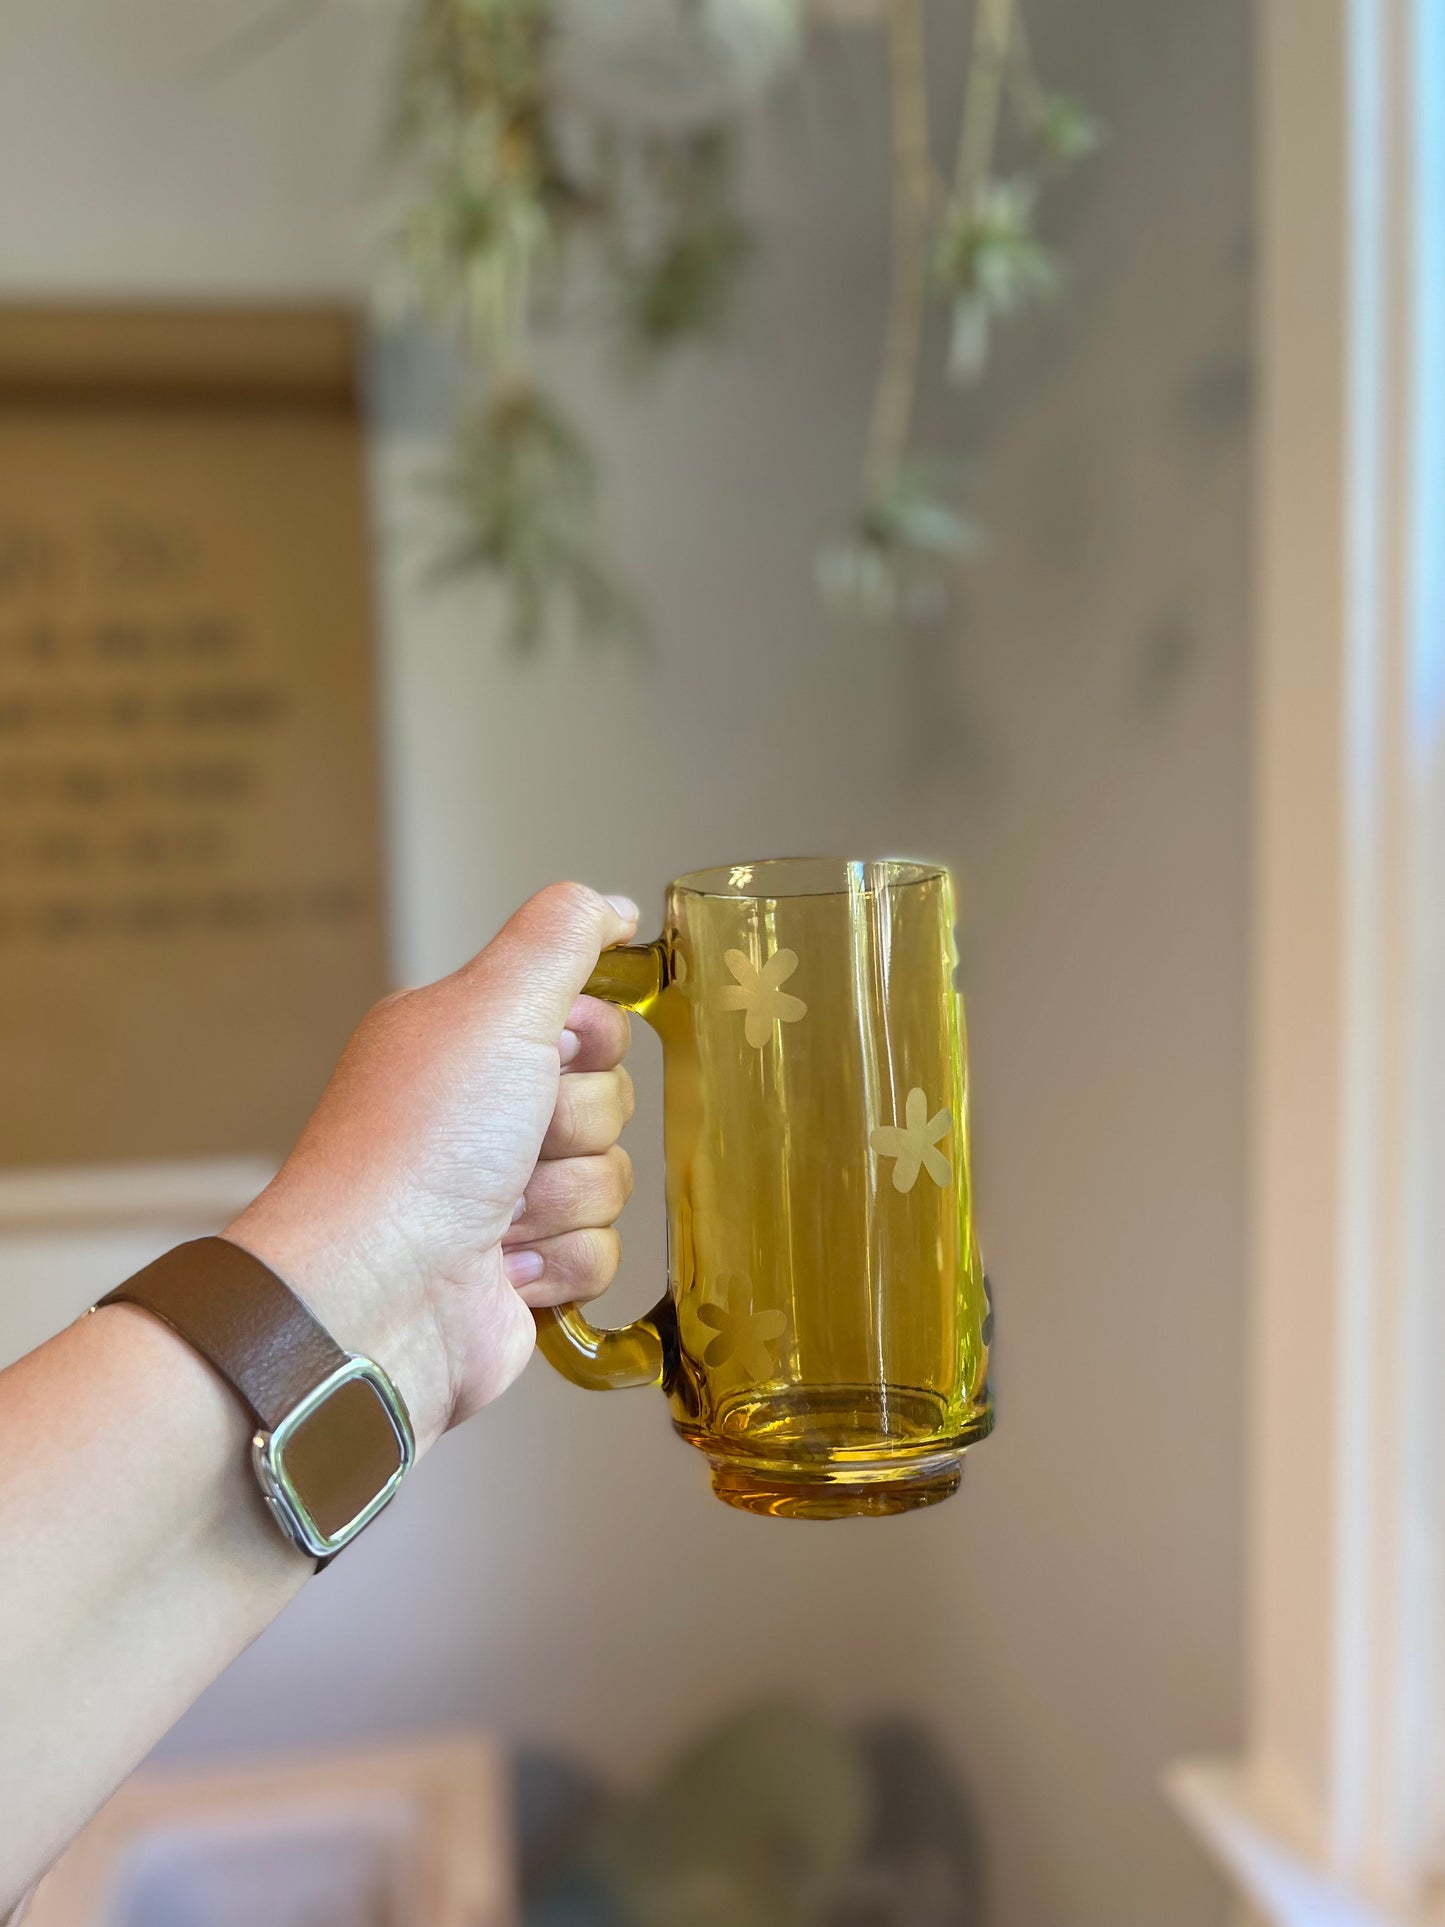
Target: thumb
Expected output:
[548,949]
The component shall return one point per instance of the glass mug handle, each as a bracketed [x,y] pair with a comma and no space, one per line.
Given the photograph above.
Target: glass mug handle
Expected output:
[630,976]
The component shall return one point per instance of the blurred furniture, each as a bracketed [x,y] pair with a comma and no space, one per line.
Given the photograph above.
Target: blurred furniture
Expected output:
[415,1835]
[774,1816]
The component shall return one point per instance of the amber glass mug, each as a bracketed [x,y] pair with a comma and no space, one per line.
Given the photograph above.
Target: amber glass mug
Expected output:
[824,1336]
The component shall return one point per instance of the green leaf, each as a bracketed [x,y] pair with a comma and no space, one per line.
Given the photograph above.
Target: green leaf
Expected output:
[1065,130]
[682,282]
[990,251]
[914,513]
[890,564]
[687,288]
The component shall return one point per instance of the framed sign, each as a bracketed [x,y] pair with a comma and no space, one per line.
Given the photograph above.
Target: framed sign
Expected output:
[190,914]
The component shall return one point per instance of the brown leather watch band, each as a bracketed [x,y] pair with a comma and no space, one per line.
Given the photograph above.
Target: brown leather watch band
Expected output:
[253,1329]
[240,1317]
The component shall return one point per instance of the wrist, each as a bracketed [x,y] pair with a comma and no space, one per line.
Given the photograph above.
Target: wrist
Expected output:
[369,1307]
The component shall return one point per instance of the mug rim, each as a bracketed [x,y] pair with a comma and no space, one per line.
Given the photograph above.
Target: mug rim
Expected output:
[854,876]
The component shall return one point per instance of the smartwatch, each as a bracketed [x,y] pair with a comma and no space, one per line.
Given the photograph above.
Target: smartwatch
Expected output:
[334,1438]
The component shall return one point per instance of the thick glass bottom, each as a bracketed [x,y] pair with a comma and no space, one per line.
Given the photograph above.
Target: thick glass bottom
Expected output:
[862,1493]
[840,1452]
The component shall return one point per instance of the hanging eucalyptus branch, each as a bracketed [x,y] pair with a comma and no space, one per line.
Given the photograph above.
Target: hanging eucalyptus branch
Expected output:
[505,166]
[971,244]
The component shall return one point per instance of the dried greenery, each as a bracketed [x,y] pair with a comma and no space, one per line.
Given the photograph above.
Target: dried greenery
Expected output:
[500,169]
[522,492]
[683,286]
[504,169]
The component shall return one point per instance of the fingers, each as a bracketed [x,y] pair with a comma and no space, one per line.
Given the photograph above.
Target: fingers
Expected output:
[563,1249]
[565,1270]
[592,1108]
[603,1035]
[549,948]
[572,1194]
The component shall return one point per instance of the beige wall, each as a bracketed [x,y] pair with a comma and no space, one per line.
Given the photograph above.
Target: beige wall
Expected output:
[1103,662]
[1078,749]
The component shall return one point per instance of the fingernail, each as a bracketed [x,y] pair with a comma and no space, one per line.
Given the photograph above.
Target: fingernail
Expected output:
[568,1045]
[625,908]
[523,1267]
[519,1207]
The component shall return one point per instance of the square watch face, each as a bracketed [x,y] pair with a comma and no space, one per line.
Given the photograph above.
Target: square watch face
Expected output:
[341,1455]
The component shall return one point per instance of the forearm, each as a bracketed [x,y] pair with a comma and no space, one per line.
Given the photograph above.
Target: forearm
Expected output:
[136,1561]
[136,1554]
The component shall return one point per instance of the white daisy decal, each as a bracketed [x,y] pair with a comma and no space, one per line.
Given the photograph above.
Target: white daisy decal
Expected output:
[745,1339]
[760,993]
[914,1145]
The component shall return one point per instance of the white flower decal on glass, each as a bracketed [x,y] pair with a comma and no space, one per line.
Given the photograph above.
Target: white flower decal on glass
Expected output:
[914,1146]
[742,1338]
[759,993]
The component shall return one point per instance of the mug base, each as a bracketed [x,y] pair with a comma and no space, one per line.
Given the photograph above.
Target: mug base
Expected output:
[863,1492]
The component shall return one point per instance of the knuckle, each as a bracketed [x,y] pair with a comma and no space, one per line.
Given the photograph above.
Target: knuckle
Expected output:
[618,1033]
[570,906]
[606,1117]
[592,1108]
[382,1014]
[616,1184]
[596,1113]
[593,1257]
[574,1105]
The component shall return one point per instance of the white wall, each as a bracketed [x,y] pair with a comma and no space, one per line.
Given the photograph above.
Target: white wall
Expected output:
[558,1568]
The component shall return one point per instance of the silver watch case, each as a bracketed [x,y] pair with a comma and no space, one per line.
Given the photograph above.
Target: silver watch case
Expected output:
[268,1457]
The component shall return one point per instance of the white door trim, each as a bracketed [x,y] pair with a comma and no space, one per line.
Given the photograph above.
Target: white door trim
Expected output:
[1349,1044]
